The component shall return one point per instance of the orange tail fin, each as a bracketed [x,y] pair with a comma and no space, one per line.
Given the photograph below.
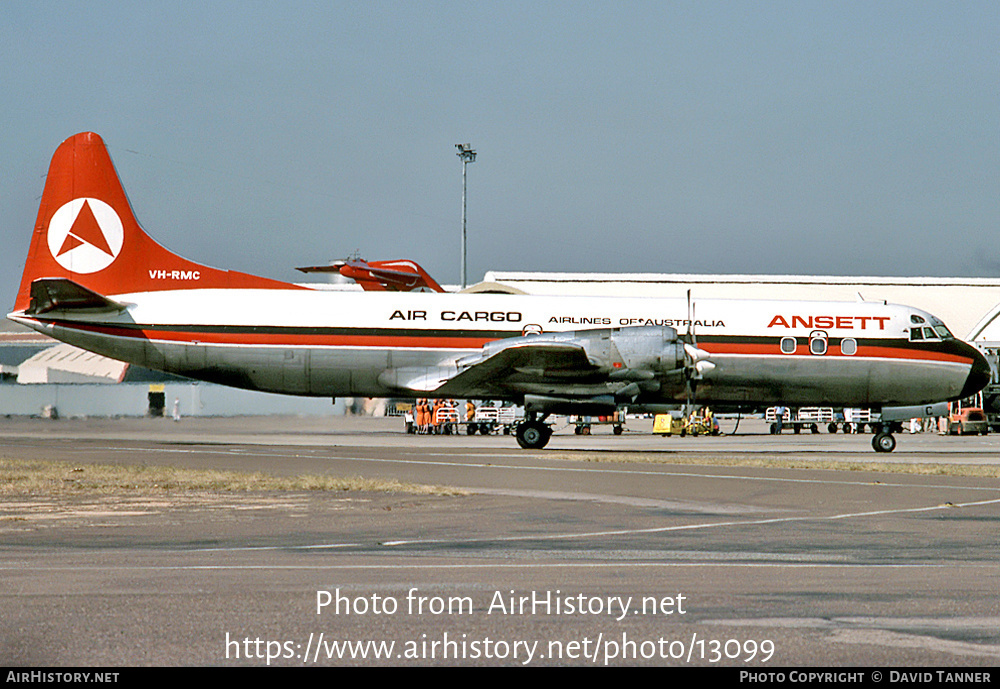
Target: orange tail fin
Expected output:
[86,232]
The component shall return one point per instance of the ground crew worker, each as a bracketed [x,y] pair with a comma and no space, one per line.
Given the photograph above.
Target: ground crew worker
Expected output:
[434,414]
[421,415]
[428,417]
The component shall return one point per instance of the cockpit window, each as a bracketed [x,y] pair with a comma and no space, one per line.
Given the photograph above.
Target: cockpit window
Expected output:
[938,332]
[914,318]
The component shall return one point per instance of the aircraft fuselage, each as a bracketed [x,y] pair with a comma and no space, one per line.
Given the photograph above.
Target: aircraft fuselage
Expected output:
[339,343]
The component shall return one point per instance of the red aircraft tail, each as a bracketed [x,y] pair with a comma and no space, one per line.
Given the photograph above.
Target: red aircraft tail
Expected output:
[87,233]
[399,275]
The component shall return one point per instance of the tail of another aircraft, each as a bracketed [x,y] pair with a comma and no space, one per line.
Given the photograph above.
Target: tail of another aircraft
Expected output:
[87,233]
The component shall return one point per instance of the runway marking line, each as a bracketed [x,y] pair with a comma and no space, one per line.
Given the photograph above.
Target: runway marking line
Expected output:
[598,534]
[691,527]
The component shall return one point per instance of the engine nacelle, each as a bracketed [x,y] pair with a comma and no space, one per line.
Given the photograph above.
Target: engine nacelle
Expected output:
[642,349]
[648,348]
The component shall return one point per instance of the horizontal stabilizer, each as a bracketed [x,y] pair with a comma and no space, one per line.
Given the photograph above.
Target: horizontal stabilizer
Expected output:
[61,294]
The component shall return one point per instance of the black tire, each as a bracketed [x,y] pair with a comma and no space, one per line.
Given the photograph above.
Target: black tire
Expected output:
[532,435]
[883,442]
[832,428]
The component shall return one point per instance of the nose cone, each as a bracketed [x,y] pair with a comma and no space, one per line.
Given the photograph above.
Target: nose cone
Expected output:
[979,373]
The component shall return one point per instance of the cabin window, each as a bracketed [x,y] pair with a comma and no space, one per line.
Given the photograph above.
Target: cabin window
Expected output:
[849,346]
[817,343]
[788,345]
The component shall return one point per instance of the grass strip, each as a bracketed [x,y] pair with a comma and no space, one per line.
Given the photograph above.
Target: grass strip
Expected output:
[30,477]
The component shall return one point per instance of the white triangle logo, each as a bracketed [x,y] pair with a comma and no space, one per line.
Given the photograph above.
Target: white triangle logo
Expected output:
[85,235]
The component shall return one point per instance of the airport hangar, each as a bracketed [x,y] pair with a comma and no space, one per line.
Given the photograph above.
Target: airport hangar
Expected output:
[970,307]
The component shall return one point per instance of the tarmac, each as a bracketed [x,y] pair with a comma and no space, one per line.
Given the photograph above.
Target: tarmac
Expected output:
[746,550]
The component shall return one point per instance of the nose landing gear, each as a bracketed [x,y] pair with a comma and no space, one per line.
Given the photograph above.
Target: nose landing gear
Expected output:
[883,442]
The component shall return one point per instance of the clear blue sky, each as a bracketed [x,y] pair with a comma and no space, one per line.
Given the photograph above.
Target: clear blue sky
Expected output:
[777,137]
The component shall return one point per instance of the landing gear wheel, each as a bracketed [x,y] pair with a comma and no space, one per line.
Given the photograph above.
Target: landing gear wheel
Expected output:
[883,442]
[533,435]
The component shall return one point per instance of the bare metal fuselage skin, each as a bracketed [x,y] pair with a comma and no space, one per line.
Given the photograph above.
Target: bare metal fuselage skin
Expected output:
[333,343]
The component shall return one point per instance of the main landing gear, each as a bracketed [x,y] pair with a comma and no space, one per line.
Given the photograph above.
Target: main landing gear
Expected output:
[533,433]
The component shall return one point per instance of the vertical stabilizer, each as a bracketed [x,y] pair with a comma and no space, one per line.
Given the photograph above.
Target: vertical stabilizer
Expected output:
[86,232]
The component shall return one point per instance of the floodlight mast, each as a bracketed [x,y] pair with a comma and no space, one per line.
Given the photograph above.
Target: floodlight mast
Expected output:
[467,156]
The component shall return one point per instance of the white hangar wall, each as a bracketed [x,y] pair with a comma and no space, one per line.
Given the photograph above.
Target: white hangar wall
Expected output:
[966,305]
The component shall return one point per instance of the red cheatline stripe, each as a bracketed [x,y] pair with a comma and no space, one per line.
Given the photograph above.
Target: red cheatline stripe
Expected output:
[873,351]
[459,342]
[283,339]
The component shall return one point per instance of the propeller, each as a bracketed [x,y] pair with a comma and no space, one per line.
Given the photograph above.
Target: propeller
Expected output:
[697,361]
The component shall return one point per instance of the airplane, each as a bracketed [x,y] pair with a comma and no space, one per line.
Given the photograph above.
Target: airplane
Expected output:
[400,275]
[95,279]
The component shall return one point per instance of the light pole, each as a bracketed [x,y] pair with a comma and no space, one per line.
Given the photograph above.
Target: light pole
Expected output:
[467,155]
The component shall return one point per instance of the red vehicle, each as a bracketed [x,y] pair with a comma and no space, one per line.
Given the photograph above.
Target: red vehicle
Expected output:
[968,418]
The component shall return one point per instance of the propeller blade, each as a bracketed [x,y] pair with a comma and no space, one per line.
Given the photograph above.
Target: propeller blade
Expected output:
[696,354]
[703,367]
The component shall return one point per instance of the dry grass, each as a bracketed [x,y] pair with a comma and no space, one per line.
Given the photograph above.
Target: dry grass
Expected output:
[20,478]
[775,462]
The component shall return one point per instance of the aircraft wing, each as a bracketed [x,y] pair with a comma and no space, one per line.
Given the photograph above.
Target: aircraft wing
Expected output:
[524,365]
[587,364]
